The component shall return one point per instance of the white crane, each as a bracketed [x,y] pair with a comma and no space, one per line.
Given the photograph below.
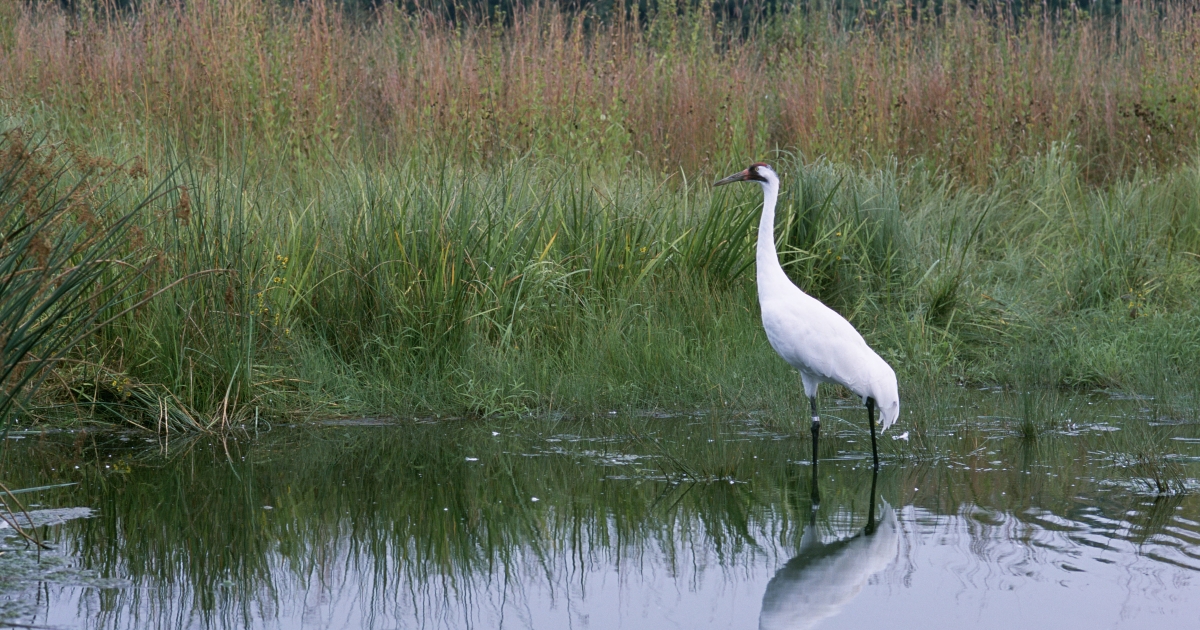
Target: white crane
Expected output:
[810,336]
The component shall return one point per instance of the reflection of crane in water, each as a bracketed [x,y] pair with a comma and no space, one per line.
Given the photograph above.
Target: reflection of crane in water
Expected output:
[810,336]
[823,577]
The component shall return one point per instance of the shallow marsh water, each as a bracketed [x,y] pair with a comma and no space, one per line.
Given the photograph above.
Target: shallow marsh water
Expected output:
[998,511]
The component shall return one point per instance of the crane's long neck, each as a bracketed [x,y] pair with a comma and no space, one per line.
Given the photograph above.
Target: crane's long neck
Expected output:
[767,264]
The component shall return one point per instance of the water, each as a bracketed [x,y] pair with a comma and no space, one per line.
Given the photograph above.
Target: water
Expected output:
[621,522]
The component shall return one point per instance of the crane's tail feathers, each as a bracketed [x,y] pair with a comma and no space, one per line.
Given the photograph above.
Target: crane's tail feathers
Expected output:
[888,413]
[888,416]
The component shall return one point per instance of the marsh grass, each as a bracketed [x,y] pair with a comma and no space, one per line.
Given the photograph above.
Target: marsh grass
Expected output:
[408,219]
[59,236]
[421,287]
[679,88]
[1042,412]
[1143,458]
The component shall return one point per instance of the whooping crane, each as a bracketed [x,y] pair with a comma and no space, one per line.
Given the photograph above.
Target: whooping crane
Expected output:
[810,336]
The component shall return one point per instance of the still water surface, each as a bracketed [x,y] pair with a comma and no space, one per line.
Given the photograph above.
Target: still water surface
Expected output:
[619,522]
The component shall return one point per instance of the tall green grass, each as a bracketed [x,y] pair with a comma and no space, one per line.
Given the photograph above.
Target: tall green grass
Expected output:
[62,234]
[423,287]
[401,215]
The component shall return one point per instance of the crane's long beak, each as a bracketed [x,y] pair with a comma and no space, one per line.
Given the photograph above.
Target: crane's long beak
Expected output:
[736,177]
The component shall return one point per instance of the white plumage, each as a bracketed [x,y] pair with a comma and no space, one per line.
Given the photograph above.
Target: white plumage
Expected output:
[810,336]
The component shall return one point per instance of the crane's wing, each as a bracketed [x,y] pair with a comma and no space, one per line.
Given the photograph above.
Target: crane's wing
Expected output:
[816,340]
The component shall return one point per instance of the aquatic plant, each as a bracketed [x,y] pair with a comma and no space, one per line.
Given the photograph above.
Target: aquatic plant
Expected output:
[1142,453]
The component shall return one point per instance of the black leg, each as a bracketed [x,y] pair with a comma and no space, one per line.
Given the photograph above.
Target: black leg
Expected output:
[816,432]
[870,529]
[816,426]
[871,421]
[815,495]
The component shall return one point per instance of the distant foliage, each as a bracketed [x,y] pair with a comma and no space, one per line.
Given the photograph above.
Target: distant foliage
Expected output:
[666,86]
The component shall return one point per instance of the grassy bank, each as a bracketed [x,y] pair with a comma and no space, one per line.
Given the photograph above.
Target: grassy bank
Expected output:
[400,217]
[421,287]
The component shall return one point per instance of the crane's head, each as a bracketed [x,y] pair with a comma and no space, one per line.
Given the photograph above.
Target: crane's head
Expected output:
[757,172]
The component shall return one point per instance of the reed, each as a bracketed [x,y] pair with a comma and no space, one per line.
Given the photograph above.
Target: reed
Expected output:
[676,88]
[61,235]
[1142,458]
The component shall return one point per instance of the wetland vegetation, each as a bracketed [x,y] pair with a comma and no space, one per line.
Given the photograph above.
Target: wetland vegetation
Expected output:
[233,229]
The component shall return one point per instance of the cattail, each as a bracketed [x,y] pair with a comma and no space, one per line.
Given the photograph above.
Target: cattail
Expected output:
[183,211]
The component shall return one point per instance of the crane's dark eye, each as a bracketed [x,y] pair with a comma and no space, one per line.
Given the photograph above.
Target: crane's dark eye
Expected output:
[754,174]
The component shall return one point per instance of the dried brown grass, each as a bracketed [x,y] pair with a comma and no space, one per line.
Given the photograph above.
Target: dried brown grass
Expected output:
[965,91]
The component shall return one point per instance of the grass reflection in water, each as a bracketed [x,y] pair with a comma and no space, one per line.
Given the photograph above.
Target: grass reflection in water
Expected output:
[637,521]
